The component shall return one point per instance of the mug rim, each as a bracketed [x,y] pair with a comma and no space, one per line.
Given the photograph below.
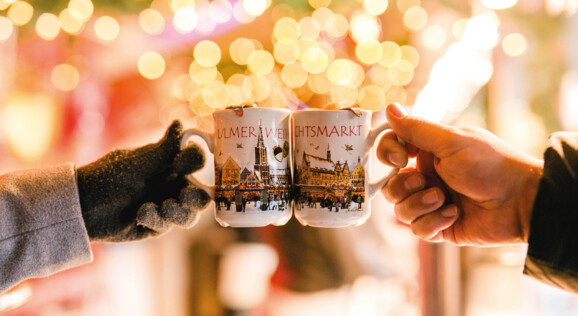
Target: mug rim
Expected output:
[253,109]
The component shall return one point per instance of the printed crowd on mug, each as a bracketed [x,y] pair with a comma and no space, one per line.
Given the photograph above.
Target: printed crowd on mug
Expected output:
[265,169]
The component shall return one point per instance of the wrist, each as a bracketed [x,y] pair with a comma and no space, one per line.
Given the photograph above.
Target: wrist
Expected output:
[527,197]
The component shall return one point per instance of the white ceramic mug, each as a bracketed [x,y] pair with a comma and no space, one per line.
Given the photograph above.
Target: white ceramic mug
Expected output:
[252,154]
[332,166]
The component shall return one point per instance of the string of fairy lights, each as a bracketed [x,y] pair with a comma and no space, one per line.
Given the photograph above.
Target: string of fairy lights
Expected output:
[309,56]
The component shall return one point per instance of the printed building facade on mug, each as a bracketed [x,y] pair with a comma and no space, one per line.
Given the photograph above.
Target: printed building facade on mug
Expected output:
[263,183]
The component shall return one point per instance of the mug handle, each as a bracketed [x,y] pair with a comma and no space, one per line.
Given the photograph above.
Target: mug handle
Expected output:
[375,187]
[208,138]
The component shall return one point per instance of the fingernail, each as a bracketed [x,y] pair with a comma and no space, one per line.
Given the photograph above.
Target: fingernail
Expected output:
[450,211]
[430,197]
[413,182]
[395,158]
[396,110]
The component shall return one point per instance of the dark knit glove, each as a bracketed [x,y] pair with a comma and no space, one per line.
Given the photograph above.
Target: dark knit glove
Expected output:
[134,194]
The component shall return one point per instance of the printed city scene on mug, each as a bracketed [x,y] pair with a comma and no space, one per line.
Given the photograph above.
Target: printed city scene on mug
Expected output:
[250,181]
[335,183]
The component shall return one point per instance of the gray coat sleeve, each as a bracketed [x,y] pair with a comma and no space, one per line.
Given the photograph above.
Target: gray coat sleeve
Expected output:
[41,226]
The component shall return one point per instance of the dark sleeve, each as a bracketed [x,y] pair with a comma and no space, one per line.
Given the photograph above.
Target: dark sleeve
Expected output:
[553,241]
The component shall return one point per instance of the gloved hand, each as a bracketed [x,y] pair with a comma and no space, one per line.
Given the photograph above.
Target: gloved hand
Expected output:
[134,194]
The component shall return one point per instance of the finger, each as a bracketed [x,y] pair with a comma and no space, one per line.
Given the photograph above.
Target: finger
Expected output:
[419,204]
[179,215]
[390,151]
[426,135]
[148,216]
[430,226]
[189,160]
[402,185]
[194,198]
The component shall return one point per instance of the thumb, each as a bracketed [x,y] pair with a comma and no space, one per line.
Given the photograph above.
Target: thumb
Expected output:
[425,135]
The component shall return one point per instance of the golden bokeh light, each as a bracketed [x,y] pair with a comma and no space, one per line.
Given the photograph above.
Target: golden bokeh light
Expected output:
[65,77]
[198,105]
[309,27]
[514,44]
[434,37]
[415,18]
[256,7]
[347,96]
[364,26]
[207,53]
[182,87]
[202,75]
[375,7]
[106,28]
[221,11]
[378,75]
[68,23]
[286,28]
[81,10]
[399,77]
[185,20]
[261,87]
[391,54]
[316,4]
[499,4]
[319,83]
[261,62]
[315,60]
[294,75]
[286,51]
[368,51]
[206,24]
[240,50]
[20,12]
[341,72]
[4,5]
[215,94]
[240,14]
[397,94]
[151,65]
[459,27]
[47,26]
[240,88]
[324,17]
[371,97]
[282,10]
[6,28]
[339,27]
[482,32]
[151,21]
[404,5]
[176,5]
[410,54]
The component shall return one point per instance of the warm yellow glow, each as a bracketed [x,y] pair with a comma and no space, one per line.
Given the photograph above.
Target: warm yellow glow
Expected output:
[286,28]
[207,53]
[20,12]
[221,11]
[261,87]
[202,75]
[294,75]
[240,14]
[459,27]
[324,17]
[514,44]
[347,96]
[375,7]
[65,77]
[256,7]
[4,5]
[206,24]
[339,27]
[181,88]
[6,28]
[47,26]
[239,87]
[185,20]
[240,50]
[341,72]
[368,51]
[309,27]
[481,32]
[68,23]
[328,48]
[378,75]
[151,65]
[151,21]
[286,51]
[176,5]
[315,60]
[434,37]
[391,54]
[499,4]
[404,5]
[396,94]
[106,28]
[215,94]
[415,18]
[81,10]
[316,4]
[371,97]
[261,62]
[364,26]
[319,83]
[410,54]
[30,124]
[399,77]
